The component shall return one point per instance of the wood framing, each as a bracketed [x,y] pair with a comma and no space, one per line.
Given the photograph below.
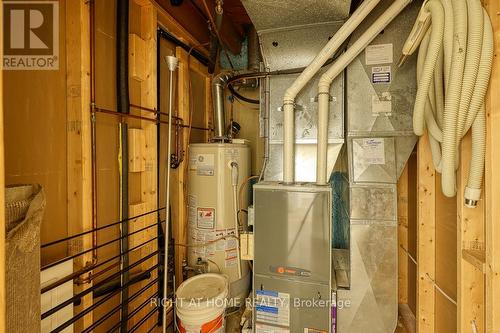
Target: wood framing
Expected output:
[426,233]
[470,250]
[179,176]
[492,186]
[79,169]
[403,237]
[2,197]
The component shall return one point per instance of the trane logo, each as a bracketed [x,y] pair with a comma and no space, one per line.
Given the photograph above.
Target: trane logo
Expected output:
[31,35]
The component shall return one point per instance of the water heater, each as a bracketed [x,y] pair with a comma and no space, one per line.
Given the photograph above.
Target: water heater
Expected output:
[213,168]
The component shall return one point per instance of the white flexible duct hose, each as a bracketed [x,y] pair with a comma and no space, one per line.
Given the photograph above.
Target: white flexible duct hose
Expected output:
[457,47]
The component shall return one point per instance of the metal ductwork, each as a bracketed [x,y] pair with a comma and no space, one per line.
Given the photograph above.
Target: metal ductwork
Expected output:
[219,84]
[370,138]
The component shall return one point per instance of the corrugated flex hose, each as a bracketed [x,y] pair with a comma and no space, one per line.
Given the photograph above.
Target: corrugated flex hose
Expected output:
[453,72]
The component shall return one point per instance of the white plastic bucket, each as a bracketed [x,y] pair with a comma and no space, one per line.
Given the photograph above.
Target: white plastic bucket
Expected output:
[201,303]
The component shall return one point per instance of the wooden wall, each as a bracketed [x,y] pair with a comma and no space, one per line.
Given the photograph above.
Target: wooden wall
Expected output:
[35,139]
[2,198]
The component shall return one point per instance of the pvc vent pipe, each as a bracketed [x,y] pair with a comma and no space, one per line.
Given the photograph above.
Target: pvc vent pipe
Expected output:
[172,66]
[456,47]
[327,78]
[289,98]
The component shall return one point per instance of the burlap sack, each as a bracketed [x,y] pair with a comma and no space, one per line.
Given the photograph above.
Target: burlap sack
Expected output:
[24,212]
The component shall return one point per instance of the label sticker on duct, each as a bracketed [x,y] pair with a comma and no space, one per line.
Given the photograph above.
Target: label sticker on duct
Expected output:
[374,151]
[381,75]
[379,54]
[262,328]
[272,307]
[205,218]
[382,105]
[203,164]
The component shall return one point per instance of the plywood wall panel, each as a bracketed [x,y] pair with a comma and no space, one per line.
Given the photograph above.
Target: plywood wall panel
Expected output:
[35,139]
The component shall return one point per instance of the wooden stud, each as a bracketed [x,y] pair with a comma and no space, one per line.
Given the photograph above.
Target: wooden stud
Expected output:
[138,238]
[149,190]
[492,188]
[470,240]
[2,198]
[137,57]
[403,236]
[179,214]
[136,144]
[426,233]
[79,177]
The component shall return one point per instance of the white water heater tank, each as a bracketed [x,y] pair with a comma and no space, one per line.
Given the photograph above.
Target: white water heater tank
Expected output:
[212,211]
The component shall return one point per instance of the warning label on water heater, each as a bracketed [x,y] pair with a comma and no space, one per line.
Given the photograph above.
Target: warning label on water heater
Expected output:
[205,218]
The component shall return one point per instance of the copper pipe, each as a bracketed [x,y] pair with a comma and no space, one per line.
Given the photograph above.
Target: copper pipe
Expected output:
[92,277]
[155,120]
[69,277]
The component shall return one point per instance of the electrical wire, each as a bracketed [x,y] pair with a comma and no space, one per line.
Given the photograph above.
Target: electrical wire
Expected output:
[241,97]
[206,243]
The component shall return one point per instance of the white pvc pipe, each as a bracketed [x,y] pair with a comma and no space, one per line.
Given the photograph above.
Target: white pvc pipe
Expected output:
[172,65]
[327,78]
[289,99]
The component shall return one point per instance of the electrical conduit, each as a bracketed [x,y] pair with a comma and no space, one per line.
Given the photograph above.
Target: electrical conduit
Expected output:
[327,78]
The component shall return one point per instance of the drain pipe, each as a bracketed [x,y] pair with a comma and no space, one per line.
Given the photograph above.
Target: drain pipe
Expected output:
[172,66]
[289,99]
[326,80]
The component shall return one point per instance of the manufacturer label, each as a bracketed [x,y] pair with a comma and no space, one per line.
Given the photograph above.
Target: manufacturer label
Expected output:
[379,54]
[262,328]
[374,151]
[382,105]
[203,164]
[205,218]
[273,308]
[381,75]
[292,271]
